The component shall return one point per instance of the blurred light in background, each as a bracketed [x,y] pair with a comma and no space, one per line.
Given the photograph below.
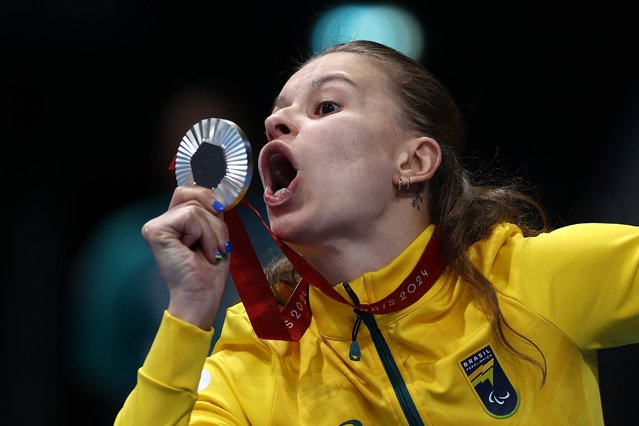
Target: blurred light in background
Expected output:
[384,23]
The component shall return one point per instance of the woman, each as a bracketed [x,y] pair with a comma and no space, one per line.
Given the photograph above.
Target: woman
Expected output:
[474,312]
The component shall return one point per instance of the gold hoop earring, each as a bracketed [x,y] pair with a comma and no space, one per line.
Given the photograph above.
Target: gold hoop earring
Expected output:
[399,184]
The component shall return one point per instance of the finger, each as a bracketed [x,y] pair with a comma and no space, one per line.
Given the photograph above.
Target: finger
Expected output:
[215,239]
[203,196]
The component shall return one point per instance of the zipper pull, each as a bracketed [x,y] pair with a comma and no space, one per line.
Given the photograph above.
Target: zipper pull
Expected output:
[354,354]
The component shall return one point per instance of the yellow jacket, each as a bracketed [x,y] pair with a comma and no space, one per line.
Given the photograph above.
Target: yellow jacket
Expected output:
[571,291]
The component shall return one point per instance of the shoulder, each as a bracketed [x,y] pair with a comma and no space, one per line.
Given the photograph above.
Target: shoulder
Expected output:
[496,246]
[508,238]
[568,254]
[237,331]
[584,241]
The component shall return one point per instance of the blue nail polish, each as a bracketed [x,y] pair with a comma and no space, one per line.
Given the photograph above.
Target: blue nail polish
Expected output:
[218,256]
[219,207]
[228,247]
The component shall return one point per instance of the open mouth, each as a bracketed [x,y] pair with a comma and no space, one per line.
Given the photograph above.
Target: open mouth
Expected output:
[279,171]
[282,173]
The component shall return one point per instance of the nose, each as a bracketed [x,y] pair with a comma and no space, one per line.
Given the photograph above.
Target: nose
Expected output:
[278,124]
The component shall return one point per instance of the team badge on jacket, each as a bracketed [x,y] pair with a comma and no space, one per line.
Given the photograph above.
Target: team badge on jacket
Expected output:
[490,384]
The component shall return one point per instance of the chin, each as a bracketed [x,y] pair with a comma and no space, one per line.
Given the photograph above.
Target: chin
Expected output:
[289,230]
[285,232]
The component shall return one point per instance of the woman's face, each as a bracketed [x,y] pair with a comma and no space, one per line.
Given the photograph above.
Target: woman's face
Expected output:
[329,163]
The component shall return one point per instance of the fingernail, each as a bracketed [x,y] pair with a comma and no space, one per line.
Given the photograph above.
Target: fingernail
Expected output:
[218,256]
[228,247]
[219,207]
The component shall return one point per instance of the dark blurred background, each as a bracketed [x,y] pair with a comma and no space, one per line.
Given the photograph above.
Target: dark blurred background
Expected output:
[97,95]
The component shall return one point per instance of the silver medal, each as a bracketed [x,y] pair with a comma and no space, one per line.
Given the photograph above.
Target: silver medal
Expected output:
[215,153]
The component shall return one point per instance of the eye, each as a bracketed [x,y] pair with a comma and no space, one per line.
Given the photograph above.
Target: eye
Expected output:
[325,108]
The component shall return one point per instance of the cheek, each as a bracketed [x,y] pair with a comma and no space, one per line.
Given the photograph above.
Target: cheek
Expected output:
[333,146]
[355,145]
[351,142]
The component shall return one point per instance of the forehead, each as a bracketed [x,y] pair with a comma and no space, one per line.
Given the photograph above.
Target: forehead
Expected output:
[354,67]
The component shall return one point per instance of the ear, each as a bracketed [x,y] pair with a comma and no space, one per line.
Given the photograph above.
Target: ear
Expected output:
[418,159]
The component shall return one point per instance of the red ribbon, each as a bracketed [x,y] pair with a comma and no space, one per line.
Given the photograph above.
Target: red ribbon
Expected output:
[271,322]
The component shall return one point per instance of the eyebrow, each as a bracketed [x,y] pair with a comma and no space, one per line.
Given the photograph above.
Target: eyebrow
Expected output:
[318,83]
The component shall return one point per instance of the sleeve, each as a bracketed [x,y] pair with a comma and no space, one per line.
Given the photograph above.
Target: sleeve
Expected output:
[239,378]
[584,279]
[166,389]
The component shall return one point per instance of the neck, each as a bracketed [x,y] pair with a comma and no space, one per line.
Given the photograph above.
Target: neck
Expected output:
[347,257]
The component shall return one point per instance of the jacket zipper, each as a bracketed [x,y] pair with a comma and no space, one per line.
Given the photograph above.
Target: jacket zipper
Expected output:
[385,355]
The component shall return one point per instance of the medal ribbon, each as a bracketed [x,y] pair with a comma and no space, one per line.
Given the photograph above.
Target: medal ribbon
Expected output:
[271,322]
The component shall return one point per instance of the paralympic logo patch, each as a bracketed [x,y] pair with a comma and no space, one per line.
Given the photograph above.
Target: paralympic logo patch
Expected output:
[491,386]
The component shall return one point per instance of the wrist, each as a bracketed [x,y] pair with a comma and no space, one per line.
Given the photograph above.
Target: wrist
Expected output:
[199,311]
